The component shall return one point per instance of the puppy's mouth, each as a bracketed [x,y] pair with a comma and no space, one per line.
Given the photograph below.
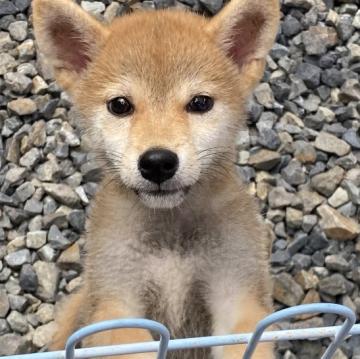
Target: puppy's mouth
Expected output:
[163,192]
[162,198]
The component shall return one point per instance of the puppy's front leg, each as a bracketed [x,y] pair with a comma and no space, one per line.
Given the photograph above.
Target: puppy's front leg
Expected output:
[113,309]
[68,319]
[250,312]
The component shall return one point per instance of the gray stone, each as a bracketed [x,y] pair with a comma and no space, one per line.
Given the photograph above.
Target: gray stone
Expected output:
[5,41]
[94,7]
[4,303]
[353,192]
[77,220]
[333,285]
[37,136]
[294,173]
[356,22]
[279,51]
[7,63]
[45,313]
[344,26]
[48,277]
[286,290]
[22,106]
[11,344]
[212,5]
[337,263]
[15,175]
[309,73]
[4,329]
[35,240]
[264,95]
[7,8]
[291,26]
[317,240]
[329,143]
[264,159]
[48,171]
[347,162]
[30,158]
[352,137]
[39,85]
[33,206]
[269,139]
[62,193]
[27,69]
[304,152]
[68,135]
[17,82]
[70,258]
[337,226]
[318,39]
[332,77]
[57,218]
[339,197]
[354,53]
[47,253]
[311,103]
[112,11]
[326,183]
[347,210]
[325,114]
[28,278]
[18,258]
[304,4]
[280,258]
[43,334]
[350,91]
[25,191]
[279,198]
[18,302]
[17,322]
[22,4]
[56,239]
[18,30]
[309,222]
[50,205]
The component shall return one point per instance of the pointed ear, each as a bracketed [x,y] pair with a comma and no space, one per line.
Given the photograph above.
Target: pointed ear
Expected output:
[68,37]
[245,30]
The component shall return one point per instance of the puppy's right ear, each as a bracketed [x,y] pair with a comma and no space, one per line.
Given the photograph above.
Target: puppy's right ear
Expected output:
[68,37]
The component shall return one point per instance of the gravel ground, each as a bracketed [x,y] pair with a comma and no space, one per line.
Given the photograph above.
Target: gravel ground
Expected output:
[300,156]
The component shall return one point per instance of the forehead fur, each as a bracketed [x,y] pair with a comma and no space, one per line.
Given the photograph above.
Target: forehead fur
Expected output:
[160,50]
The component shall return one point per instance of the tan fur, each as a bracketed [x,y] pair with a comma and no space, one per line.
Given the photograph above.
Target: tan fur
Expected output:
[67,322]
[248,317]
[205,249]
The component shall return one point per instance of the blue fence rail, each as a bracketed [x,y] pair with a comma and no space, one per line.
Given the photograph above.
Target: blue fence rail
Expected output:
[338,333]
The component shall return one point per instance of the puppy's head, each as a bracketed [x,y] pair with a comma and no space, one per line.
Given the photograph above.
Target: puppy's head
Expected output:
[162,92]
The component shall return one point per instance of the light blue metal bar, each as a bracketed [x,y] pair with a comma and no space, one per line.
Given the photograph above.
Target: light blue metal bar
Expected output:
[91,329]
[192,343]
[287,313]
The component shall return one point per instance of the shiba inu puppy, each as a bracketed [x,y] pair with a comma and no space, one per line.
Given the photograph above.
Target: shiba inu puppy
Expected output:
[173,235]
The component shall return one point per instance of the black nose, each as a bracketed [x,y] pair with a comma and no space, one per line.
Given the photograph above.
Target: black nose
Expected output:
[158,165]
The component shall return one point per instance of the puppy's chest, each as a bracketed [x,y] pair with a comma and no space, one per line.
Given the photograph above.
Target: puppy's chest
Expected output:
[175,293]
[172,277]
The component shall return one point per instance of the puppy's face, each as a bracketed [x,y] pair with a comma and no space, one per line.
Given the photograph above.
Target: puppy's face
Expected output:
[163,102]
[162,92]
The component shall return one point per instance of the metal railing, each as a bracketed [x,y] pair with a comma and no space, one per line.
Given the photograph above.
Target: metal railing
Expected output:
[338,333]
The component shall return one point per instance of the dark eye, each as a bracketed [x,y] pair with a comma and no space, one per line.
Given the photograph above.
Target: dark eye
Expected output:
[200,104]
[120,106]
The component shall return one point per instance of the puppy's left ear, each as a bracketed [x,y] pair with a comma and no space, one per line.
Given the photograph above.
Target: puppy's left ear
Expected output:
[245,30]
[68,37]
